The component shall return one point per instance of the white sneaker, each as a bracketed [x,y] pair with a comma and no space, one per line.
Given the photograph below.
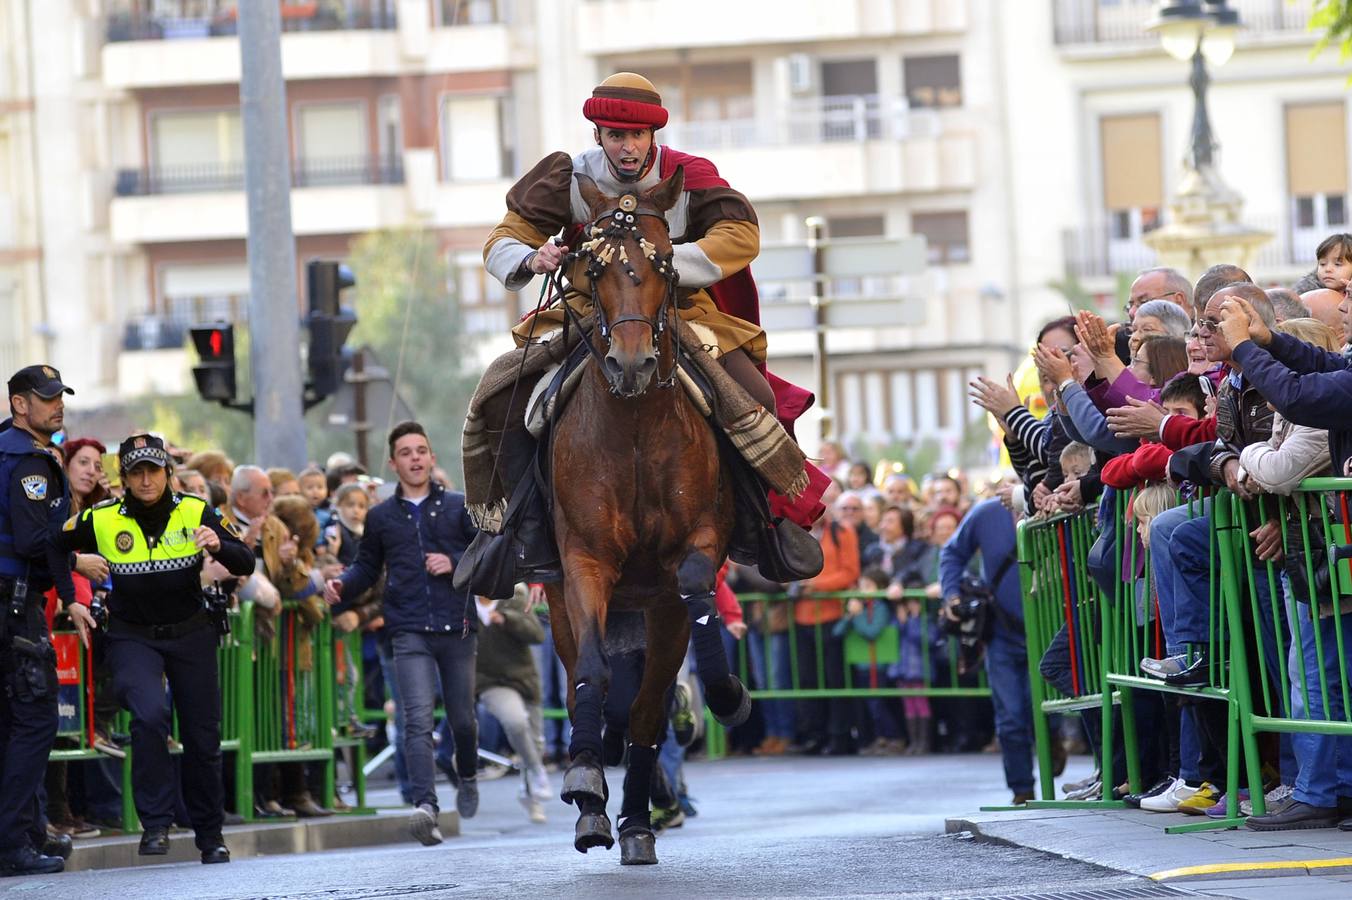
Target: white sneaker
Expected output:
[1170,799]
[535,811]
[538,784]
[422,824]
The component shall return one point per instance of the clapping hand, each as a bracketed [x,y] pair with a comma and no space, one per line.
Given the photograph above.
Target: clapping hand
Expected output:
[1097,337]
[1052,364]
[995,398]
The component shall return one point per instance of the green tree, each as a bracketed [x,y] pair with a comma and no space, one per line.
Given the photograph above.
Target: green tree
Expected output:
[408,315]
[1333,19]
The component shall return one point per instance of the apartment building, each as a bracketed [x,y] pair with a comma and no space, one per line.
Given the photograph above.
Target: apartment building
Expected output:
[1102,151]
[870,114]
[1023,141]
[21,311]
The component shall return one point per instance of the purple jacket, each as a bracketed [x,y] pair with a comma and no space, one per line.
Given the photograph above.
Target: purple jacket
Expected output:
[1108,396]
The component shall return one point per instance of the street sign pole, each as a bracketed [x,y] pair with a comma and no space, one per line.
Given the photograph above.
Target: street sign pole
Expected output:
[815,225]
[361,425]
[274,329]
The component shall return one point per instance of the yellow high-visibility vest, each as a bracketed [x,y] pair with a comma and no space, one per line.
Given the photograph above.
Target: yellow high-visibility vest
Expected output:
[128,552]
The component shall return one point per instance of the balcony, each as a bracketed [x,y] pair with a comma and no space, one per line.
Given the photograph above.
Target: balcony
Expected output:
[852,146]
[332,196]
[1099,251]
[217,177]
[627,26]
[1115,23]
[127,22]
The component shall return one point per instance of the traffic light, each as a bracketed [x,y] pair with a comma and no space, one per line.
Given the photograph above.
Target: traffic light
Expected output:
[215,374]
[329,324]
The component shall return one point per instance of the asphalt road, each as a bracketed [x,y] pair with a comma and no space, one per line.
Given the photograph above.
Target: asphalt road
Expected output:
[790,827]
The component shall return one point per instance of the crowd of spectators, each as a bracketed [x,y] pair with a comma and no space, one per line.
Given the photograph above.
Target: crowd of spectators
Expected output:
[1214,385]
[880,537]
[304,529]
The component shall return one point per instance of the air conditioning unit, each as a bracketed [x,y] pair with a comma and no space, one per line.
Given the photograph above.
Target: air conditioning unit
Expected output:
[802,73]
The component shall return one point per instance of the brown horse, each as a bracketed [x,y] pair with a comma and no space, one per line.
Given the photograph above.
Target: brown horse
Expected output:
[643,510]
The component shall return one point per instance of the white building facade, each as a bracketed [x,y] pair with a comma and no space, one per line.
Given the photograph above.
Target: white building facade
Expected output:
[1023,141]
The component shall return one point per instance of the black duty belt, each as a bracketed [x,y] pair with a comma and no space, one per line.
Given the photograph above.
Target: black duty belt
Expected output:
[195,622]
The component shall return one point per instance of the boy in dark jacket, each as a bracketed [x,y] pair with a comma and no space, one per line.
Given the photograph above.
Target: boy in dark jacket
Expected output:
[417,536]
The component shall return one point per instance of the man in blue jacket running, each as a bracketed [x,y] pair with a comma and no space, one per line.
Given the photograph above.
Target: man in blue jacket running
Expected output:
[417,536]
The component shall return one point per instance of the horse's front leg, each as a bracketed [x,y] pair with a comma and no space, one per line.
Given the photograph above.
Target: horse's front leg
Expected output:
[667,639]
[587,587]
[727,697]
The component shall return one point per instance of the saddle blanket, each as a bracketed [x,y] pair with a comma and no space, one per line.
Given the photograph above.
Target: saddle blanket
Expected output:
[757,435]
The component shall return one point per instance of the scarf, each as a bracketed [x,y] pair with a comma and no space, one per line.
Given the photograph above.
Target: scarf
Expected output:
[153,518]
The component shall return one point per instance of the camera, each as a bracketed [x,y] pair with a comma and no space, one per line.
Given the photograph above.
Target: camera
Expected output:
[98,611]
[217,604]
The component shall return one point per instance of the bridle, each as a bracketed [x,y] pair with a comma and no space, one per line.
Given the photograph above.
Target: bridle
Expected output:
[607,238]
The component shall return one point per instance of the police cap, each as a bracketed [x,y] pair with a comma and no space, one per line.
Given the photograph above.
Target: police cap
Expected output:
[142,448]
[41,380]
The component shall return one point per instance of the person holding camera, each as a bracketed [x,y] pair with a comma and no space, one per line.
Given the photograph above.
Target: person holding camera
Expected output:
[989,529]
[160,627]
[34,497]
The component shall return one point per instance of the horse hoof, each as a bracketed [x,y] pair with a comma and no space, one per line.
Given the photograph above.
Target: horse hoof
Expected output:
[582,783]
[731,714]
[593,830]
[638,847]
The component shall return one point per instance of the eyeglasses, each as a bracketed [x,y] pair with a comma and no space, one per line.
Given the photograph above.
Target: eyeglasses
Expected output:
[1211,325]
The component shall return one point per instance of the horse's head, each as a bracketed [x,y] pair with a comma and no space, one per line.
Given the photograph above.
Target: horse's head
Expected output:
[633,279]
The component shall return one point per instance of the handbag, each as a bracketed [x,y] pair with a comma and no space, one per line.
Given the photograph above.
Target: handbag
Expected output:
[489,564]
[784,550]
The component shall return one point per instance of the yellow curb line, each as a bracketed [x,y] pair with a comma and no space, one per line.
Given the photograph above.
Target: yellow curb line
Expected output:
[1227,868]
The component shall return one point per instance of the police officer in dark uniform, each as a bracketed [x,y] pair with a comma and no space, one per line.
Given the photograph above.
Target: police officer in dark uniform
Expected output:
[160,627]
[33,500]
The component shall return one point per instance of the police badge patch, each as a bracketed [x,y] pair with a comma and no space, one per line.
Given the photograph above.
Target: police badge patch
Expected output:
[124,541]
[34,487]
[70,523]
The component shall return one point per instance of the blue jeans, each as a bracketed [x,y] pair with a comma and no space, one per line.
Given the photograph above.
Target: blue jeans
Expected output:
[1325,761]
[392,686]
[780,718]
[424,661]
[1162,564]
[1007,672]
[554,695]
[1190,547]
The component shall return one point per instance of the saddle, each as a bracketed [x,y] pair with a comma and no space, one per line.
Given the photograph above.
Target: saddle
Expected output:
[519,545]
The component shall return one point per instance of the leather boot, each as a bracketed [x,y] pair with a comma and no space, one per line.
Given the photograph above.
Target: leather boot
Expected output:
[154,842]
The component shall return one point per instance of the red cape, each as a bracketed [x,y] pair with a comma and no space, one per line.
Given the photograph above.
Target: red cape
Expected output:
[737,296]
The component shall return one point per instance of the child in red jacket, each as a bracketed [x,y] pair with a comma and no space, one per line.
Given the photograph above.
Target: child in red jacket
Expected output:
[1150,462]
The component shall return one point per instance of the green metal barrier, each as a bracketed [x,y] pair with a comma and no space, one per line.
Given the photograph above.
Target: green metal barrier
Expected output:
[1278,665]
[863,660]
[1059,594]
[1305,614]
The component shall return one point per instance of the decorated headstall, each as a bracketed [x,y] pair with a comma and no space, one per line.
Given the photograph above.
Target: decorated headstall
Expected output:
[606,246]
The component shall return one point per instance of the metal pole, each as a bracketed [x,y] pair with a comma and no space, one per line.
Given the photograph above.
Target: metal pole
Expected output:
[1202,141]
[279,426]
[360,426]
[815,224]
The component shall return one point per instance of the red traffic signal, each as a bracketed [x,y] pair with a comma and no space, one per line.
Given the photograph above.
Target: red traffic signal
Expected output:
[215,375]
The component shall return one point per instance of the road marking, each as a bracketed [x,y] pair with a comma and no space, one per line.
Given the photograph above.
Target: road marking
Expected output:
[1230,868]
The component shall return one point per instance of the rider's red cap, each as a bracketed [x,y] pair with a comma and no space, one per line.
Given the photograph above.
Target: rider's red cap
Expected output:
[625,100]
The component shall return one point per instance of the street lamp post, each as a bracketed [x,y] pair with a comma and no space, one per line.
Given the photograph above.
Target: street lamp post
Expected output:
[1204,226]
[1189,29]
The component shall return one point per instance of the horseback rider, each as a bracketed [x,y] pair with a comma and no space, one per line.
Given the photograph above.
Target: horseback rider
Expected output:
[714,236]
[713,229]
